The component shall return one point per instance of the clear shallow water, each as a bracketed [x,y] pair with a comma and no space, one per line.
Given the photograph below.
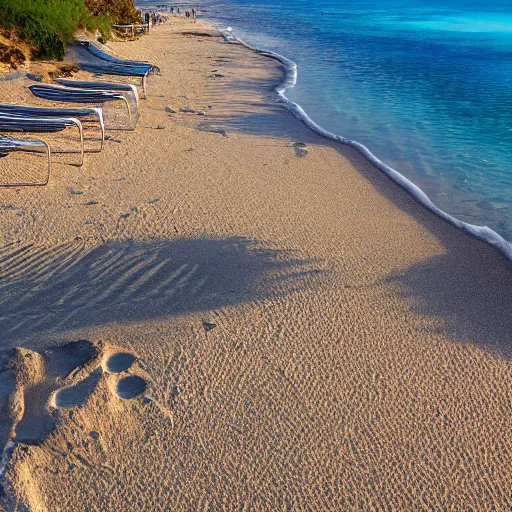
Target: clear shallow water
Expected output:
[426,86]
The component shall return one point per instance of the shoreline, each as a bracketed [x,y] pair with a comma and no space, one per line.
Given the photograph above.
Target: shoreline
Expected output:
[484,233]
[308,334]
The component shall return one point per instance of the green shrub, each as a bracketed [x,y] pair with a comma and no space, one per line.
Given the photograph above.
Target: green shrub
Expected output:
[123,12]
[50,24]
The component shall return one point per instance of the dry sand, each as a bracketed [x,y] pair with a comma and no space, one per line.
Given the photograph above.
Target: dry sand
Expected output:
[298,333]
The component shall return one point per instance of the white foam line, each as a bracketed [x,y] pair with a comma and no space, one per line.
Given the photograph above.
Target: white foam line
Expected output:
[290,79]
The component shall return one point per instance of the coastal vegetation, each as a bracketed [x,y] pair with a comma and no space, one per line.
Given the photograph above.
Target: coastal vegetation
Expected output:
[121,11]
[48,25]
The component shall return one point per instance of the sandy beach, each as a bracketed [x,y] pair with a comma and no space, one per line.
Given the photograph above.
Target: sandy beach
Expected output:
[225,311]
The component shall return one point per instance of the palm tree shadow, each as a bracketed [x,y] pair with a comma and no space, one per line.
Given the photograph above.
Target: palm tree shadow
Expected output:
[468,288]
[48,290]
[471,298]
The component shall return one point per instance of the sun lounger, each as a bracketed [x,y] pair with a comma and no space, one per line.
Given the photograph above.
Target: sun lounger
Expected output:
[74,95]
[19,124]
[98,85]
[110,68]
[130,91]
[95,50]
[9,145]
[87,116]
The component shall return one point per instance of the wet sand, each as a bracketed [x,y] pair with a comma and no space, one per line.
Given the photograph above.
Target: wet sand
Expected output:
[223,310]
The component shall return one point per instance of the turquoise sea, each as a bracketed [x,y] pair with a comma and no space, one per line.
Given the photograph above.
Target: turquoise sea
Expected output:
[425,85]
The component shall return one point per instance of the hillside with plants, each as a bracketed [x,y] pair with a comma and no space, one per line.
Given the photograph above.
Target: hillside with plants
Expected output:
[121,11]
[46,26]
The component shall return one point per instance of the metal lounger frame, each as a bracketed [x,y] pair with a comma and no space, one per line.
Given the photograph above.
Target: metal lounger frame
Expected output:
[140,26]
[31,126]
[9,145]
[30,111]
[59,92]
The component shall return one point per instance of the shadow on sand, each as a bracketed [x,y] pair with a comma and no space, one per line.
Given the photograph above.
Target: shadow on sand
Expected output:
[469,287]
[70,286]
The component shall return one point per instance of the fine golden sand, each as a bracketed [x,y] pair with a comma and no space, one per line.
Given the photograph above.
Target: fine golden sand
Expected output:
[267,322]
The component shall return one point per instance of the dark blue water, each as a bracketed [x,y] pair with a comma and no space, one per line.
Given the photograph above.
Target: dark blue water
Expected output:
[426,85]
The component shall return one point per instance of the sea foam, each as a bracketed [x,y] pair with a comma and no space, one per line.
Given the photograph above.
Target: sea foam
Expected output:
[290,80]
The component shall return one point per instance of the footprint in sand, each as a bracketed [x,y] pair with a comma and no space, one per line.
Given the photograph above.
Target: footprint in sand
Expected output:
[119,362]
[30,381]
[75,396]
[125,386]
[61,361]
[130,387]
[300,149]
[33,384]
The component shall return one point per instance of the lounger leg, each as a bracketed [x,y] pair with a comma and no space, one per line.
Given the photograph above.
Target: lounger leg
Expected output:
[102,128]
[144,79]
[132,127]
[130,116]
[78,124]
[81,135]
[35,183]
[99,115]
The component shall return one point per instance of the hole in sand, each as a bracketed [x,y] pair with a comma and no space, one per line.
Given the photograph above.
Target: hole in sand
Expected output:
[130,387]
[78,395]
[60,361]
[120,362]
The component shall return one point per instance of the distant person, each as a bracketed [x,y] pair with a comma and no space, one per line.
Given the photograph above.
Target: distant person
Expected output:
[178,10]
[172,10]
